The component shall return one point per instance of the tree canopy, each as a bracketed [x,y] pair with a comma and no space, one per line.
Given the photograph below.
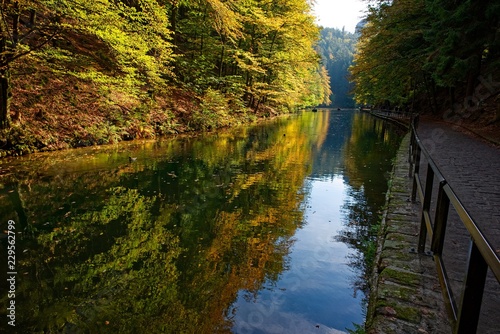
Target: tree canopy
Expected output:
[151,67]
[431,48]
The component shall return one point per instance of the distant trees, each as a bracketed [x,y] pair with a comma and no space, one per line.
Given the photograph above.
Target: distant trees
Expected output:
[337,49]
[251,52]
[411,48]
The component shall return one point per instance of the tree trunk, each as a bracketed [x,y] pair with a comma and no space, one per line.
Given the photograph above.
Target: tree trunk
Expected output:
[431,92]
[472,78]
[5,97]
[452,99]
[222,55]
[427,90]
[4,81]
[32,18]
[203,32]
[15,24]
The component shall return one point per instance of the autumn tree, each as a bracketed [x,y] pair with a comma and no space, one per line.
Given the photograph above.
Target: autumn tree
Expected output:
[20,32]
[390,53]
[133,37]
[126,64]
[257,52]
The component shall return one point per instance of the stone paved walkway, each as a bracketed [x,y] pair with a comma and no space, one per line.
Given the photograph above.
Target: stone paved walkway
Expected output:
[471,167]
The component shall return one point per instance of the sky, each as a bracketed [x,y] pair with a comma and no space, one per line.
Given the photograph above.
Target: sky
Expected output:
[339,13]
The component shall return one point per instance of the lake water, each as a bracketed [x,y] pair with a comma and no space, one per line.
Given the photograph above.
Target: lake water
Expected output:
[259,229]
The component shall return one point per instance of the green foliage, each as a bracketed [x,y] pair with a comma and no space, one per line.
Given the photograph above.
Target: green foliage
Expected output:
[265,49]
[213,112]
[358,329]
[16,141]
[408,48]
[458,37]
[390,52]
[102,134]
[137,37]
[94,57]
[337,48]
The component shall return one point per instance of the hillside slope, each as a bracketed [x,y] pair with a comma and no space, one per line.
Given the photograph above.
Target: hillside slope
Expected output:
[77,73]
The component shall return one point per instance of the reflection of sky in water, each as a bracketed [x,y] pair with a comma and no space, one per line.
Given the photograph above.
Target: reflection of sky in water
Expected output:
[317,290]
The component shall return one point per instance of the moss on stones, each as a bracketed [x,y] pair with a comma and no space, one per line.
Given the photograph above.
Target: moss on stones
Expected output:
[401,277]
[399,310]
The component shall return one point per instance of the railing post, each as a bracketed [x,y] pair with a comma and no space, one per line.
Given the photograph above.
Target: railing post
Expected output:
[425,208]
[416,170]
[416,120]
[414,157]
[472,295]
[440,220]
[411,150]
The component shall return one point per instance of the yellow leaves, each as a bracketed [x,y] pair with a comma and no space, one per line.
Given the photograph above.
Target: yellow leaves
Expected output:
[261,17]
[271,216]
[250,180]
[227,22]
[245,181]
[138,39]
[248,62]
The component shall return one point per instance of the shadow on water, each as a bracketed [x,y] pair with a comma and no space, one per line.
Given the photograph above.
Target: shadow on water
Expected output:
[191,234]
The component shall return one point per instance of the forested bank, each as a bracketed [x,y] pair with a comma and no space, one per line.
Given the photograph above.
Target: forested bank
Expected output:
[77,73]
[437,56]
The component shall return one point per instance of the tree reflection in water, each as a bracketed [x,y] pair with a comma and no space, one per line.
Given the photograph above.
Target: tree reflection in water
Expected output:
[371,148]
[165,243]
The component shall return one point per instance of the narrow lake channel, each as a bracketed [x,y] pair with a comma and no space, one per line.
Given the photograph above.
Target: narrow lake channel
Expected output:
[259,229]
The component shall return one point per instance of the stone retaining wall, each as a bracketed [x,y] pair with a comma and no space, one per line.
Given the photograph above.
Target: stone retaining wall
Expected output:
[406,295]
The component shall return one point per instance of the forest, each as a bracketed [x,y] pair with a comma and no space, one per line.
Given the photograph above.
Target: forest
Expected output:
[440,56]
[78,73]
[337,48]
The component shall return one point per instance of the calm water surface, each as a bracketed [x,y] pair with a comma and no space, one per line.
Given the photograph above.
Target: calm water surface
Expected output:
[260,229]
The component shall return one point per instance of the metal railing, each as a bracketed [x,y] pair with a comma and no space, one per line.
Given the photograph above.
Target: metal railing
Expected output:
[393,113]
[465,315]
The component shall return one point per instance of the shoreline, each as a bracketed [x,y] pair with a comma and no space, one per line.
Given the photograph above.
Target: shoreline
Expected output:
[405,295]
